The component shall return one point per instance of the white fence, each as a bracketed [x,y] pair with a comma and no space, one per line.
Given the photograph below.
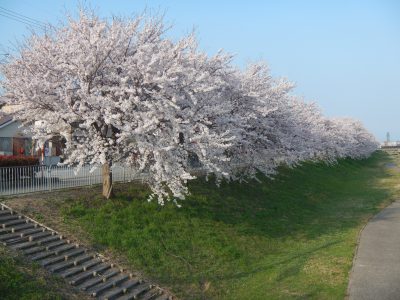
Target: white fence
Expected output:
[28,179]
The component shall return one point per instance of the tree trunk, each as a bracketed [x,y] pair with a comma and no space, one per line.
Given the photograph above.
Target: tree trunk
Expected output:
[107,181]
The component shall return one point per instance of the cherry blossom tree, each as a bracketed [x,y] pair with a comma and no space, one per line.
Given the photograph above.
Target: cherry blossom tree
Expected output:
[121,92]
[275,128]
[349,138]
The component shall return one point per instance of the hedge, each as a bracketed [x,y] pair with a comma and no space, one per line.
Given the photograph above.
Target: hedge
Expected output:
[13,161]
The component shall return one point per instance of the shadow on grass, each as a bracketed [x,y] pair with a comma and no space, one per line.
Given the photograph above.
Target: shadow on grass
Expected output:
[296,201]
[301,255]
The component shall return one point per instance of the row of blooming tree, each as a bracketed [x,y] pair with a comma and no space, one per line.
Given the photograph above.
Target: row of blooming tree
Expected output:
[120,91]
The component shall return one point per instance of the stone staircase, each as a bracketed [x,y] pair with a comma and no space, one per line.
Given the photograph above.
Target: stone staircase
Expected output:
[83,269]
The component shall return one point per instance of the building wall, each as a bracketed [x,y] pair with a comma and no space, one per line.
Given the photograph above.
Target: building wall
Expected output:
[13,139]
[13,130]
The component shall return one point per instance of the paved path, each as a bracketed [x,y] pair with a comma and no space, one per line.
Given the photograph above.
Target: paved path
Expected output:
[376,270]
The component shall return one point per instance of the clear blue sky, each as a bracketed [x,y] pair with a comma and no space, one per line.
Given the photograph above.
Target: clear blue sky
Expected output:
[344,55]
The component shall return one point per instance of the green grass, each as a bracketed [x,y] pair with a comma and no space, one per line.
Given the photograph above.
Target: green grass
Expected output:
[20,279]
[293,237]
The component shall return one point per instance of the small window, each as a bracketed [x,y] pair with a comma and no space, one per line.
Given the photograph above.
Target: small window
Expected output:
[22,146]
[6,146]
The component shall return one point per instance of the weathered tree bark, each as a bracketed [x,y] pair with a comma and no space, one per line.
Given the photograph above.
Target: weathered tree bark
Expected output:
[107,181]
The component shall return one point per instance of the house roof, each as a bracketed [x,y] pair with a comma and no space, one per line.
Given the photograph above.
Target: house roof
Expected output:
[5,117]
[5,120]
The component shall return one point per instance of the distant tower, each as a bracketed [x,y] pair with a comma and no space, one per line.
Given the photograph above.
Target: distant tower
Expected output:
[387,137]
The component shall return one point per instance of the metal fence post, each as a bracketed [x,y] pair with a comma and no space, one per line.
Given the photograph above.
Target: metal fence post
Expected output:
[90,177]
[49,178]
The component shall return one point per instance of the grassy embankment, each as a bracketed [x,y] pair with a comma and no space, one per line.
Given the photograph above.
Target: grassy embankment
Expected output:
[21,279]
[290,238]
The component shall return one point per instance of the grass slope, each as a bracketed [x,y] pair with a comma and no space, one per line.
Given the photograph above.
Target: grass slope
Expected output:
[293,237]
[21,279]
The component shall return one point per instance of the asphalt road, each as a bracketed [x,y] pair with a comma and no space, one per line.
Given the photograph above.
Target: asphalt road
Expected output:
[376,269]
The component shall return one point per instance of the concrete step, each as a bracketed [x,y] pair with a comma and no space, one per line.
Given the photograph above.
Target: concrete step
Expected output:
[110,283]
[70,263]
[55,244]
[62,256]
[81,277]
[5,212]
[151,294]
[13,222]
[98,278]
[31,240]
[9,236]
[65,264]
[40,235]
[63,249]
[73,253]
[41,255]
[140,289]
[22,243]
[80,268]
[49,246]
[24,226]
[46,240]
[52,260]
[136,291]
[5,218]
[6,230]
[31,231]
[34,250]
[120,289]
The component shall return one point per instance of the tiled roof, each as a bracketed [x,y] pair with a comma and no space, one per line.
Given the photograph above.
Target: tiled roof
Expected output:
[5,118]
